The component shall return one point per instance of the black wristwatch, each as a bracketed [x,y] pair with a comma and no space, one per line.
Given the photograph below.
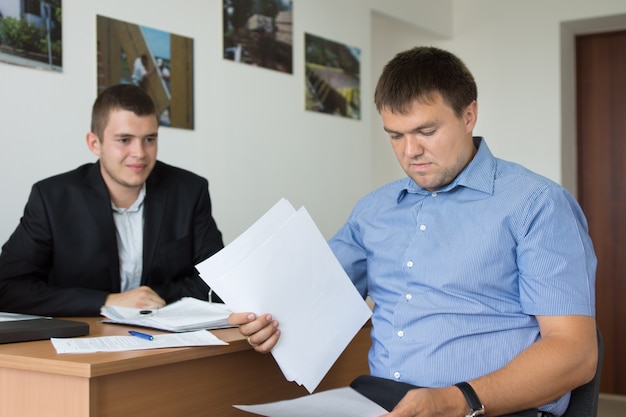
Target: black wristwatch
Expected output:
[476,408]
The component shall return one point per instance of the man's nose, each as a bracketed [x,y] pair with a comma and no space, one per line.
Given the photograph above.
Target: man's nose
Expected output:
[413,147]
[137,147]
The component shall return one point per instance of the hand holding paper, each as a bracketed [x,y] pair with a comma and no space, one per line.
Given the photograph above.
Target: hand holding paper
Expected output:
[283,265]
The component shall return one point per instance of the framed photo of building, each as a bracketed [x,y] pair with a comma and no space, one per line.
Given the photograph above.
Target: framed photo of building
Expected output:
[157,61]
[31,33]
[259,33]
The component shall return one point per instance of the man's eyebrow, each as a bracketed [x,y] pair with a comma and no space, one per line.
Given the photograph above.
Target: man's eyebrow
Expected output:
[425,126]
[126,135]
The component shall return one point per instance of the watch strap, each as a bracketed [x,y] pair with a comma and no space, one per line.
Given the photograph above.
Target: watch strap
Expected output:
[476,407]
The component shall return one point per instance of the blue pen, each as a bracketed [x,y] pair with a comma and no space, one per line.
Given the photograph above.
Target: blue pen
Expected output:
[142,335]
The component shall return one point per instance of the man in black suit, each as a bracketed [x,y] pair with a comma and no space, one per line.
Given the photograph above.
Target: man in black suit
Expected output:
[126,230]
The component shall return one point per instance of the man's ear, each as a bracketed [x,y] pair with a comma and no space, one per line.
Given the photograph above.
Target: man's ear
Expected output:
[470,115]
[93,143]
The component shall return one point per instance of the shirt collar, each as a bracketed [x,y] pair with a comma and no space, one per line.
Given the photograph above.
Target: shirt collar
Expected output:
[136,206]
[479,174]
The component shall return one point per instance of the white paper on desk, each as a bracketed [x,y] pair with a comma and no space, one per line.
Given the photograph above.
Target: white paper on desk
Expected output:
[123,343]
[340,402]
[282,265]
[184,315]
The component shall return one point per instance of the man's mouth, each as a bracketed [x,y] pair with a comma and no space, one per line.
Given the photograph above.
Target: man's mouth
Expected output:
[137,168]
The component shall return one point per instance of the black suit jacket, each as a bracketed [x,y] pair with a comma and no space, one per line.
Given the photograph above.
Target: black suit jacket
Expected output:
[62,260]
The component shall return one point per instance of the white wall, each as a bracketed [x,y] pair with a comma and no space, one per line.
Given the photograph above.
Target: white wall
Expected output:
[253,140]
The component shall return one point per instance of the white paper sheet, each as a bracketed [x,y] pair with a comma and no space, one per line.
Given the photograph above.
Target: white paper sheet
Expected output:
[122,343]
[340,402]
[282,265]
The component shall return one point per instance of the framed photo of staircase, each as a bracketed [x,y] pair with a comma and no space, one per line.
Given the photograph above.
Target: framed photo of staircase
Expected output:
[332,77]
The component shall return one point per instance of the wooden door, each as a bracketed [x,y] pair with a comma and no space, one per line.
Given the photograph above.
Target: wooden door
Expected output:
[601,142]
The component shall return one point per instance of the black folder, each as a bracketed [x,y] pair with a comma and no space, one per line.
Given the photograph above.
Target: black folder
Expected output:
[39,329]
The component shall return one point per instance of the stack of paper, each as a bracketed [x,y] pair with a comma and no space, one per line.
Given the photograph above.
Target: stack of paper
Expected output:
[282,265]
[184,315]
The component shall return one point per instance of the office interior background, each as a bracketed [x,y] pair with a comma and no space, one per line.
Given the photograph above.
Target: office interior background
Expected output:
[253,139]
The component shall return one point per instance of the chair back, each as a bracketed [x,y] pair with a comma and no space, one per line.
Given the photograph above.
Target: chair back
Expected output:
[584,399]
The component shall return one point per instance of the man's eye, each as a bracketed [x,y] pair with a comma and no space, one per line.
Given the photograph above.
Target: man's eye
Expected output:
[123,140]
[429,133]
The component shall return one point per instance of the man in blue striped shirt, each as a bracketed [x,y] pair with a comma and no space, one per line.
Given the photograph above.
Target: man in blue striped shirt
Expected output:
[482,272]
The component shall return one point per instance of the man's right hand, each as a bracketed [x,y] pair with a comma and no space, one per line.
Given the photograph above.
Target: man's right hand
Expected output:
[262,332]
[142,297]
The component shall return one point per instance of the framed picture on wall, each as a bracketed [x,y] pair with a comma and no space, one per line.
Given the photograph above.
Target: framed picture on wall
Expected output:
[157,61]
[259,33]
[31,33]
[332,78]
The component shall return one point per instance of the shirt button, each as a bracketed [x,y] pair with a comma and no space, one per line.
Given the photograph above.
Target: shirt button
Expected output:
[408,297]
[409,264]
[434,195]
[396,375]
[422,227]
[400,333]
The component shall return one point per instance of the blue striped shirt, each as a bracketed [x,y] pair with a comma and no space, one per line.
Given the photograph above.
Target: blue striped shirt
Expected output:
[458,275]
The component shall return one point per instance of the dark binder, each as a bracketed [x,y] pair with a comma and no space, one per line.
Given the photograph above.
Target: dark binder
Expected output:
[40,329]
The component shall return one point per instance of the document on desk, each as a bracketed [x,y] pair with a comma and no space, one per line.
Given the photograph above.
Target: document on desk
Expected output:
[339,402]
[123,343]
[184,315]
[283,265]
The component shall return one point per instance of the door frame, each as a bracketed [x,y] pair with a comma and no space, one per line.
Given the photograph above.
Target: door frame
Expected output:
[569,31]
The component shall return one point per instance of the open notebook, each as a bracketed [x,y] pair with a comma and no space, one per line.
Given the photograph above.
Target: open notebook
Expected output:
[184,315]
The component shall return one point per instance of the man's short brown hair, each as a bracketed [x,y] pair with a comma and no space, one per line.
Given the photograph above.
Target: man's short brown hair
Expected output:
[122,97]
[420,73]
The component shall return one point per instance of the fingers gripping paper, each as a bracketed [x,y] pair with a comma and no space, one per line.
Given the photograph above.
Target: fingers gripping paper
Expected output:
[282,265]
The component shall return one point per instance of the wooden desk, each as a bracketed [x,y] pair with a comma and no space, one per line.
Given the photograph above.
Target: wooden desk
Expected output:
[179,382]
